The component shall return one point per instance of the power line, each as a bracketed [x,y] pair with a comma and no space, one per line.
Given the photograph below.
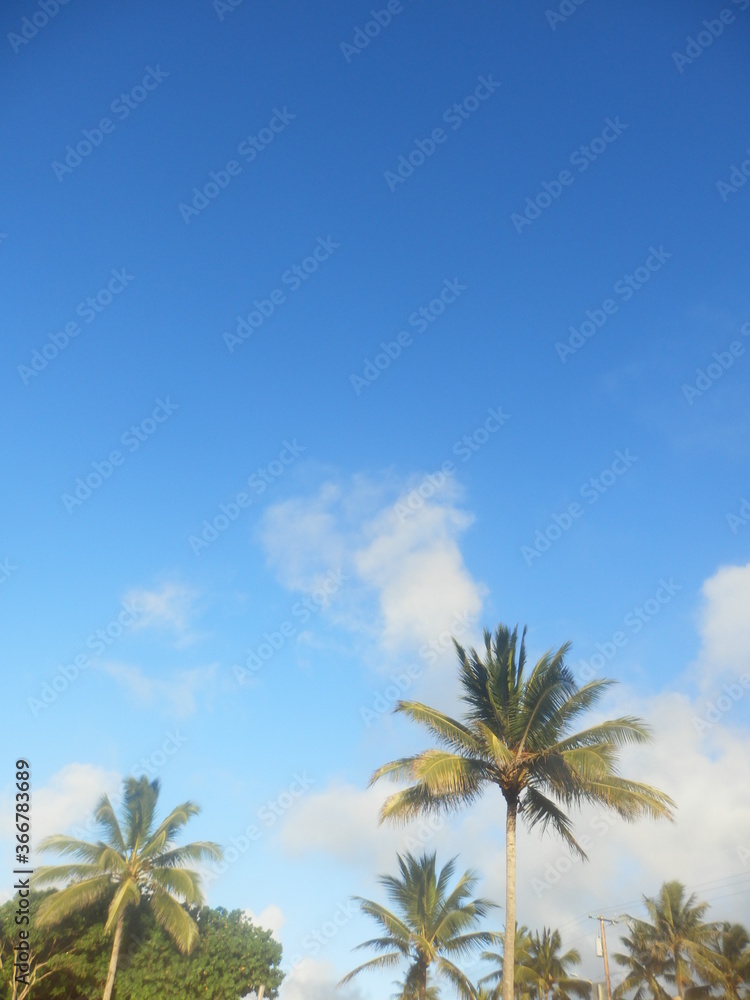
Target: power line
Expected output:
[620,907]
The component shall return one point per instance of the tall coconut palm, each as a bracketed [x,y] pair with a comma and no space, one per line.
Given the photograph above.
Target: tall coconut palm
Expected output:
[550,971]
[433,926]
[728,964]
[677,938]
[137,860]
[521,953]
[517,735]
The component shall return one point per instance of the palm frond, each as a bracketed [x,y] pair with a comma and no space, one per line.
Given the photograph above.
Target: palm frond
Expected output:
[175,920]
[56,907]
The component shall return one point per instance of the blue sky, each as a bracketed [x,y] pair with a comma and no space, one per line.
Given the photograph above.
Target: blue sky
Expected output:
[326,454]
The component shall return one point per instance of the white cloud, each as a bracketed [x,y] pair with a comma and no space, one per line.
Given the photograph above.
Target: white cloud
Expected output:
[271,918]
[176,694]
[311,979]
[406,580]
[725,622]
[342,821]
[171,606]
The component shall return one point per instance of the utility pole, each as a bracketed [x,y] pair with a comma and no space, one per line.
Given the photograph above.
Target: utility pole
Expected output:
[602,920]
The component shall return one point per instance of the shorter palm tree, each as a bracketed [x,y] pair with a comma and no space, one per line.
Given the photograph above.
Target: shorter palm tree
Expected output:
[522,990]
[674,946]
[728,965]
[550,971]
[433,927]
[643,965]
[135,863]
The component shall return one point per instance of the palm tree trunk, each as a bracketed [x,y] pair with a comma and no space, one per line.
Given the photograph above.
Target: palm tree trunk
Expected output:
[509,948]
[110,984]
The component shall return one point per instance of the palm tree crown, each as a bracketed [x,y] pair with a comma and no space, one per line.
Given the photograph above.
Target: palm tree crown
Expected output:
[521,954]
[433,925]
[517,733]
[728,965]
[550,971]
[136,860]
[674,945]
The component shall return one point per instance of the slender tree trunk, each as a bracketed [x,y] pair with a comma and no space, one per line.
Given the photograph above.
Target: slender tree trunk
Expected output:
[509,948]
[678,974]
[110,984]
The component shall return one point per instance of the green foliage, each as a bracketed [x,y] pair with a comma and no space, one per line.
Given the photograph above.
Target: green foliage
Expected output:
[70,959]
[232,958]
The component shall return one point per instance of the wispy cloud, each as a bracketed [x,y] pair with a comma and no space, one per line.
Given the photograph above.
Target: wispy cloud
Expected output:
[172,606]
[176,694]
[406,576]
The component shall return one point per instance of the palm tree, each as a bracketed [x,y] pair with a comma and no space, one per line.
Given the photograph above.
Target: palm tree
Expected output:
[516,734]
[644,966]
[433,926]
[728,965]
[677,940]
[139,863]
[521,952]
[550,971]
